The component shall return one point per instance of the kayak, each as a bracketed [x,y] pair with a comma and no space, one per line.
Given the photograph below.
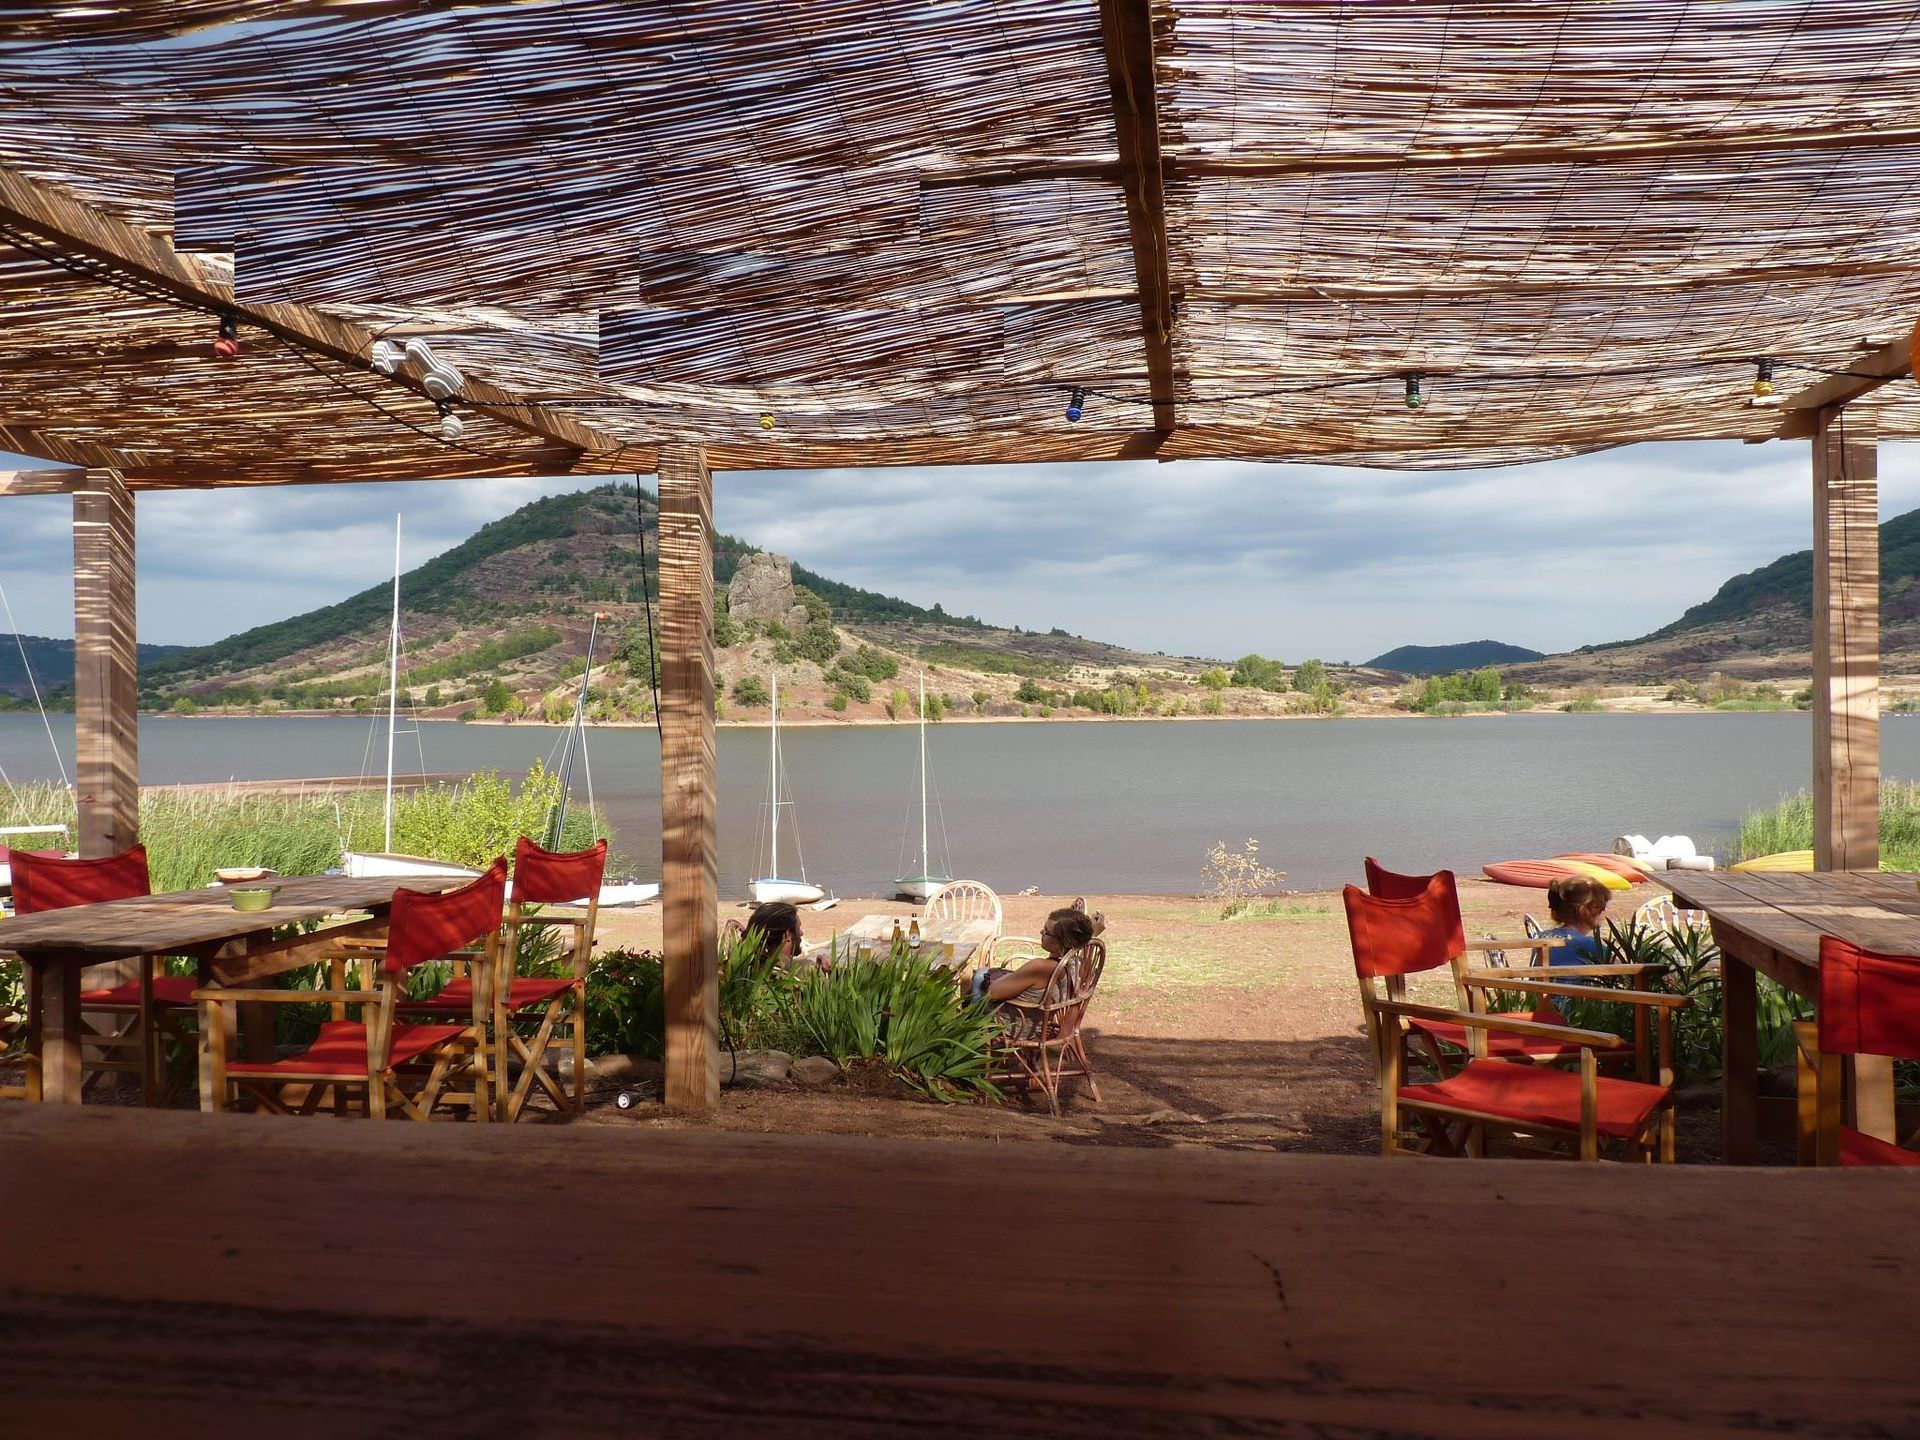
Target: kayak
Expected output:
[1787,862]
[1541,873]
[1624,866]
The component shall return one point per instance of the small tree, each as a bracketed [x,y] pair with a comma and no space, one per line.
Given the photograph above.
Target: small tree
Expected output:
[750,690]
[900,706]
[497,697]
[1309,676]
[1214,678]
[1234,877]
[185,706]
[981,699]
[433,695]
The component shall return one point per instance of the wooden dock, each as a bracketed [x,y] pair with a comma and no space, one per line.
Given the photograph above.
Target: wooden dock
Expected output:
[176,1274]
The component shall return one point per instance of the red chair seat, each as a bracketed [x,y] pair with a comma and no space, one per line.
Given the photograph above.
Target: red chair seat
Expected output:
[167,990]
[1857,1148]
[524,993]
[341,1049]
[1530,1095]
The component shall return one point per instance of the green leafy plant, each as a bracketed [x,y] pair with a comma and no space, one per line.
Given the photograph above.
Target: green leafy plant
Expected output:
[904,1013]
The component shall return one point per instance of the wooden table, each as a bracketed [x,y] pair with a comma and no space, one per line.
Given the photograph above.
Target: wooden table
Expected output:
[233,947]
[1771,925]
[873,934]
[309,1279]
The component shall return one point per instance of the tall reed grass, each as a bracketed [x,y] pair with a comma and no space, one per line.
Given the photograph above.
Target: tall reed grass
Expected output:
[1788,825]
[191,833]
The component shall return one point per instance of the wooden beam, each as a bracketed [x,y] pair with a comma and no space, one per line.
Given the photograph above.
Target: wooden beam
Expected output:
[53,215]
[40,482]
[1866,374]
[1846,688]
[1126,30]
[1470,157]
[106,680]
[689,867]
[1846,644]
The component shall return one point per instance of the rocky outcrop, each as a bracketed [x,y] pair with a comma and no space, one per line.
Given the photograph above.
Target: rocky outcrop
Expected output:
[762,589]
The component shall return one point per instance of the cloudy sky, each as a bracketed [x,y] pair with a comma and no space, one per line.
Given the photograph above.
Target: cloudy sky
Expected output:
[1191,558]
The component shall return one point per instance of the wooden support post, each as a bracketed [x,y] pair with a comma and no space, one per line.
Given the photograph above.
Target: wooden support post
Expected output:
[106,679]
[1846,644]
[689,869]
[1846,685]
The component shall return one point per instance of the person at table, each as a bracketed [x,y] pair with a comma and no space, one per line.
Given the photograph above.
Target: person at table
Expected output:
[1576,903]
[1064,937]
[776,925]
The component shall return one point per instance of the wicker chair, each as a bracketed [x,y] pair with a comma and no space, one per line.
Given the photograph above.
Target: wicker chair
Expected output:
[964,900]
[1045,1041]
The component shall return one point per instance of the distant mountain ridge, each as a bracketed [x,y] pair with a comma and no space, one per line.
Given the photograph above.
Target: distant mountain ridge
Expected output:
[52,663]
[1445,659]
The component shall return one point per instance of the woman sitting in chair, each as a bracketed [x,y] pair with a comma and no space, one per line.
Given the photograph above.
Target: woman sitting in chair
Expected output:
[776,925]
[1066,934]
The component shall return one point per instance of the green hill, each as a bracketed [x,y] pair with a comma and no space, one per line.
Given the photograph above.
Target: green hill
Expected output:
[545,568]
[1445,659]
[52,666]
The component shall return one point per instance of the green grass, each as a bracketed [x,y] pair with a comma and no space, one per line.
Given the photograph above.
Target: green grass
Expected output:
[1788,825]
[1753,706]
[1276,910]
[190,834]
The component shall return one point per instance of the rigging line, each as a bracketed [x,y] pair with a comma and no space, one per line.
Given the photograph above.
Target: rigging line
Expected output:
[646,594]
[33,685]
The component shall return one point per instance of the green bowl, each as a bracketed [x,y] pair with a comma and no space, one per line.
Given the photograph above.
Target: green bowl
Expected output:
[245,898]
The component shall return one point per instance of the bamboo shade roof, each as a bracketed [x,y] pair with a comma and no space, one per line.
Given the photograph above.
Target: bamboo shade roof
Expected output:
[865,232]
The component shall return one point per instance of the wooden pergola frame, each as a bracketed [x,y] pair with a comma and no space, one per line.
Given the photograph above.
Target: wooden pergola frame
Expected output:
[323,359]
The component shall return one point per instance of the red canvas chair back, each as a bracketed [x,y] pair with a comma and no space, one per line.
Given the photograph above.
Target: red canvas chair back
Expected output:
[1385,884]
[553,877]
[1404,937]
[424,927]
[1869,1003]
[53,882]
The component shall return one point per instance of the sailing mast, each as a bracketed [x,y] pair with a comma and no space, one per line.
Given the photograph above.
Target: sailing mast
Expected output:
[773,792]
[577,735]
[925,868]
[393,682]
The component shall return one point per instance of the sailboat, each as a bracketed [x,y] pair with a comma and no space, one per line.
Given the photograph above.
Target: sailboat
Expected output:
[772,887]
[363,864]
[10,834]
[926,884]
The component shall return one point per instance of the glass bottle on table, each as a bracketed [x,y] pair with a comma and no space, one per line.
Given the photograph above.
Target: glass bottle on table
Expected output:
[913,933]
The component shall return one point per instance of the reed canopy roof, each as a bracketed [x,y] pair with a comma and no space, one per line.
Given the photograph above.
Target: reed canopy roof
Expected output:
[863,232]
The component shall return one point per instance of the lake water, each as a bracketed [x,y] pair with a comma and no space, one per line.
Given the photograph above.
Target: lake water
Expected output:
[1117,807]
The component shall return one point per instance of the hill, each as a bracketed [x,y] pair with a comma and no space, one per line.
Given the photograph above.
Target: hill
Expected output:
[1445,659]
[51,661]
[498,624]
[1757,625]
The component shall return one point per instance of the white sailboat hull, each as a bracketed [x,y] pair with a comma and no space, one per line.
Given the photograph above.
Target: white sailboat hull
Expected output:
[363,865]
[919,887]
[793,892]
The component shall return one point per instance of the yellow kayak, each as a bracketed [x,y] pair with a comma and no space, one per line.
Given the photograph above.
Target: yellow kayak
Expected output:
[1596,872]
[1787,862]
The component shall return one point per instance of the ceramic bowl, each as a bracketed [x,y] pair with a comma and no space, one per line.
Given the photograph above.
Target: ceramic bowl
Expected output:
[252,898]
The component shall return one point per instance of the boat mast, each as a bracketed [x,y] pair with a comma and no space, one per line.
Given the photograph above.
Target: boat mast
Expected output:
[773,771]
[577,735]
[393,682]
[924,871]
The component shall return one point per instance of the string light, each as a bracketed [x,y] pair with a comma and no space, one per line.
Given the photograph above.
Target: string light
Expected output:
[228,345]
[766,422]
[1763,393]
[450,426]
[1077,403]
[1415,401]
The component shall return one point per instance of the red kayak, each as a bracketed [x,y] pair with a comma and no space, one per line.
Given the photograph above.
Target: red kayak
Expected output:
[1537,873]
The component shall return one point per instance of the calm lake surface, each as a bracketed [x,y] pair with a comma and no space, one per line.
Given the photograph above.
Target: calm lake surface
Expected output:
[1116,807]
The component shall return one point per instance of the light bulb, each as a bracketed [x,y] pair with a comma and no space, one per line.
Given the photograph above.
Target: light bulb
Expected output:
[1076,404]
[450,427]
[1415,401]
[1763,392]
[766,422]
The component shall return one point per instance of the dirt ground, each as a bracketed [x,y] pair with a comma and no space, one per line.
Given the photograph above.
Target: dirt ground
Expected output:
[1242,1034]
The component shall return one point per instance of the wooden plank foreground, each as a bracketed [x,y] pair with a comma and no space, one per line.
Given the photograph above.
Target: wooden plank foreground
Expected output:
[179,1274]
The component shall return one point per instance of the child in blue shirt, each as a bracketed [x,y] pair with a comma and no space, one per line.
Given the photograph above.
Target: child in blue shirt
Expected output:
[1576,904]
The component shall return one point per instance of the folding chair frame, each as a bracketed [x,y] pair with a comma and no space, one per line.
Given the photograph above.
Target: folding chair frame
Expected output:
[561,1021]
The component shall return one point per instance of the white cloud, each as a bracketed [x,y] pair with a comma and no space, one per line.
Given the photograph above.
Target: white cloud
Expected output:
[1215,557]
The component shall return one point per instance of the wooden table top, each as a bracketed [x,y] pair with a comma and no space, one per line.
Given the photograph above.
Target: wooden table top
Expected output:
[966,936]
[1789,913]
[1204,1292]
[185,921]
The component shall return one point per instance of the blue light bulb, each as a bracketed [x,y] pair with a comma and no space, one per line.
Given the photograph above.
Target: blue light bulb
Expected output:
[1076,403]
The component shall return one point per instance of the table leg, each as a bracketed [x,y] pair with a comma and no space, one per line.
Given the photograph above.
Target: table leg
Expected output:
[61,1033]
[1739,1061]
